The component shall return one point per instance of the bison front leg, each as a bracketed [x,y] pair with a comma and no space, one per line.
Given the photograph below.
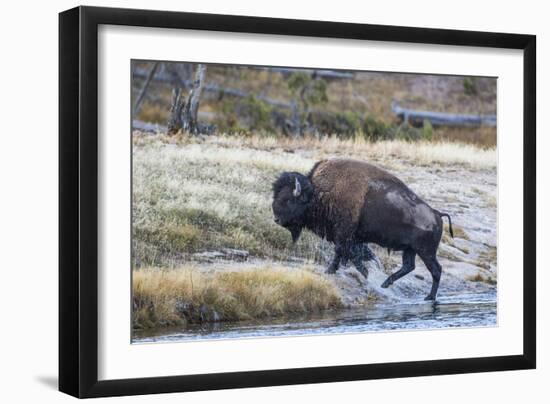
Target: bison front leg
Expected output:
[342,252]
[345,251]
[335,264]
[366,252]
[348,250]
[357,255]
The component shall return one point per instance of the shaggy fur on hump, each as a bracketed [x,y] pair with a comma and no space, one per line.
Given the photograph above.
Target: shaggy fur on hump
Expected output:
[341,186]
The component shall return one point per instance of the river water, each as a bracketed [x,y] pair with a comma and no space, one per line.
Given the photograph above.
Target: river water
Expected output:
[466,310]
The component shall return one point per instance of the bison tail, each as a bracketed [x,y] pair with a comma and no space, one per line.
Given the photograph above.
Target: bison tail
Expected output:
[450,223]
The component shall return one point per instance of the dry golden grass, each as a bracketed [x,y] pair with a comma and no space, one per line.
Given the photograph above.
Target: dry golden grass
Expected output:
[489,256]
[479,277]
[458,232]
[422,152]
[482,136]
[185,295]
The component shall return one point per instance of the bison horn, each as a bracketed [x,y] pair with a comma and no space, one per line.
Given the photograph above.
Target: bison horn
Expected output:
[298,188]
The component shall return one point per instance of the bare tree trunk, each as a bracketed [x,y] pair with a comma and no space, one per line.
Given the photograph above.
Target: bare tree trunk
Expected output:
[143,91]
[178,102]
[183,114]
[174,121]
[189,117]
[295,120]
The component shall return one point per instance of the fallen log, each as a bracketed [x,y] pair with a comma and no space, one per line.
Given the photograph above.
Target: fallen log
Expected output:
[155,128]
[148,127]
[416,118]
[229,254]
[325,74]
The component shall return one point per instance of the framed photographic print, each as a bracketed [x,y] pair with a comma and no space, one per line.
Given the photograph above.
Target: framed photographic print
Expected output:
[251,201]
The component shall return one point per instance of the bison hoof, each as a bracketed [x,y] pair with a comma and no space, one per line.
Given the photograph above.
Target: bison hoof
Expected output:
[429,297]
[387,283]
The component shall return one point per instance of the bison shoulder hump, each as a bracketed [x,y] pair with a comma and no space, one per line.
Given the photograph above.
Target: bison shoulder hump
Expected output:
[343,183]
[346,174]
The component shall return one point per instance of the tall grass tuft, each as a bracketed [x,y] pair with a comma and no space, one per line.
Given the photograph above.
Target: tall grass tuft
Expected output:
[185,295]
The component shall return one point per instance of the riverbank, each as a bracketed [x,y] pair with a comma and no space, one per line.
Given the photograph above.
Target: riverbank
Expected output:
[187,295]
[229,291]
[468,310]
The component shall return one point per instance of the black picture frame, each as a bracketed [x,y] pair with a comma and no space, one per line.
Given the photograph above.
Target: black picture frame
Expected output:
[78,201]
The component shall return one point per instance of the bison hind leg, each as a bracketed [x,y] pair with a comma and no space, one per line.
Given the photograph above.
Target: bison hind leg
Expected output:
[409,256]
[435,269]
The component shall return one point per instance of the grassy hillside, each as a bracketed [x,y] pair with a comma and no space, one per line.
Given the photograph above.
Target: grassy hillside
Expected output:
[192,195]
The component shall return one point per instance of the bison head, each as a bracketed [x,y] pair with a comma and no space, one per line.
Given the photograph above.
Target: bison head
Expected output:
[292,196]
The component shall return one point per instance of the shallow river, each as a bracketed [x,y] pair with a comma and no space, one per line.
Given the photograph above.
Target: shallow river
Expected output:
[476,310]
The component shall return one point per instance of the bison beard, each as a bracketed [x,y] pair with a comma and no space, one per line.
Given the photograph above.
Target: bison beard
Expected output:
[352,203]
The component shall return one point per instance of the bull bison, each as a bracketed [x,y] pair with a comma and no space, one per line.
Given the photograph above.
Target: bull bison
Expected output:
[351,203]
